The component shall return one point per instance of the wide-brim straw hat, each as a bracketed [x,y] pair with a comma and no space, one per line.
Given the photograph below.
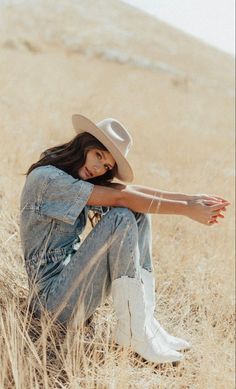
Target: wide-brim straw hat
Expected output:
[114,136]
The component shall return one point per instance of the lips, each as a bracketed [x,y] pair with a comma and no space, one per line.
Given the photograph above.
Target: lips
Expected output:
[87,172]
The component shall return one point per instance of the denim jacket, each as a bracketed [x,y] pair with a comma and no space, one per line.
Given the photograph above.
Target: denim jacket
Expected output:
[53,215]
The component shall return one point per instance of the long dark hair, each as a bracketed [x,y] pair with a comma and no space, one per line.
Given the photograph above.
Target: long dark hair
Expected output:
[71,156]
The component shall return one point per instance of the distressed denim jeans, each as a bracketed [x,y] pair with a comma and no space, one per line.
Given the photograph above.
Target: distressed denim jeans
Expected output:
[118,245]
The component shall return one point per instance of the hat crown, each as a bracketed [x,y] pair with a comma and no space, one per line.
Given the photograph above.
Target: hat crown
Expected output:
[114,136]
[117,133]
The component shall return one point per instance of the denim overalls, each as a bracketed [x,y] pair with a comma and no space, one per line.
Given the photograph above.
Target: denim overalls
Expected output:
[65,281]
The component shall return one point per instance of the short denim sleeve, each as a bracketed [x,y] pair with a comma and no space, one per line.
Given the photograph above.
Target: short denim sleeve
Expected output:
[64,197]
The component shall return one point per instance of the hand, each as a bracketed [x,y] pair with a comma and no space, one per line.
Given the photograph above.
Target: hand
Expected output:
[208,197]
[211,198]
[206,209]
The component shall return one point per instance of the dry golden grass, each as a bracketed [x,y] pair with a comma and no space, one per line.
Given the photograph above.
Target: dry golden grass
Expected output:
[182,125]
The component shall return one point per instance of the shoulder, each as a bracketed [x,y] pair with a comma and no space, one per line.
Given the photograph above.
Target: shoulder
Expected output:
[46,171]
[40,177]
[52,178]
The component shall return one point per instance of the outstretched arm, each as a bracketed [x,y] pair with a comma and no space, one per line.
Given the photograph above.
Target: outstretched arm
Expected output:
[167,195]
[203,211]
[158,193]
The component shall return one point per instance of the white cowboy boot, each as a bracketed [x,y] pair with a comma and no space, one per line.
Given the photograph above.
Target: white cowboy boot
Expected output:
[168,340]
[132,330]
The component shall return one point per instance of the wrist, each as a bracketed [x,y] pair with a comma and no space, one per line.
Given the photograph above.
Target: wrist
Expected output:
[184,207]
[183,197]
[171,207]
[190,197]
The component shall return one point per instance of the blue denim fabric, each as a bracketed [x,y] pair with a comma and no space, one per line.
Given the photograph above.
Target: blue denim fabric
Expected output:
[53,215]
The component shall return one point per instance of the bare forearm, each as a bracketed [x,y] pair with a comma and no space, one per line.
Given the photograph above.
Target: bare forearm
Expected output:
[202,208]
[146,203]
[160,193]
[136,201]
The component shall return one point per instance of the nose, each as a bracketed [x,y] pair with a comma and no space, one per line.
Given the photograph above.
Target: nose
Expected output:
[97,168]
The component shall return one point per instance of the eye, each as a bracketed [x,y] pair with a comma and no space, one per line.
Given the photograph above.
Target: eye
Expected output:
[100,156]
[107,167]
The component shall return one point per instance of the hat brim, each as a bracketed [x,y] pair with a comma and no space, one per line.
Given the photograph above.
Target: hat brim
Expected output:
[82,124]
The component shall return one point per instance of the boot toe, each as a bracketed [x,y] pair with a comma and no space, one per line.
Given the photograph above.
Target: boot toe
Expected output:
[173,356]
[170,341]
[152,353]
[179,344]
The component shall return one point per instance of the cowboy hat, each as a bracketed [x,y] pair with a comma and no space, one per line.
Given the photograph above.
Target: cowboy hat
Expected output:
[114,136]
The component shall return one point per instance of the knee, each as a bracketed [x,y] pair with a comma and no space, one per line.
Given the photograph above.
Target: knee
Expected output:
[123,223]
[123,215]
[143,218]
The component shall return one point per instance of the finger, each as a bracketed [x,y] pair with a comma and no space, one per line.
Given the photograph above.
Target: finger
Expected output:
[214,217]
[217,198]
[217,213]
[210,224]
[217,207]
[215,202]
[212,221]
[224,209]
[211,203]
[225,203]
[213,198]
[221,199]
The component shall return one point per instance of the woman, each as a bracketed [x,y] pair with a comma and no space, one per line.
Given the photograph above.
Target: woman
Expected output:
[70,279]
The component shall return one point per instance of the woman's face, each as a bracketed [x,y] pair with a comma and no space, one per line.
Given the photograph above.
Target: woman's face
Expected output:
[97,163]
